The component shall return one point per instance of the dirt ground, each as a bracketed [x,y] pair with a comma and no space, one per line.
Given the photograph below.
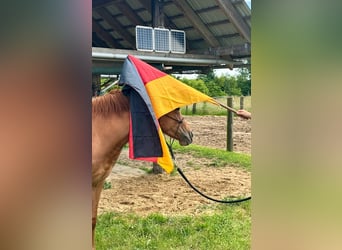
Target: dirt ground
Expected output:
[133,190]
[211,131]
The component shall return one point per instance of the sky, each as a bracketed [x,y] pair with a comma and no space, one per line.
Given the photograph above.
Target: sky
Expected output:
[248,2]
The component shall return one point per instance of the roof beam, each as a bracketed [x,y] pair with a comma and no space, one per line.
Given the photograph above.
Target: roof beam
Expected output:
[197,23]
[219,37]
[107,16]
[235,18]
[234,50]
[208,9]
[104,35]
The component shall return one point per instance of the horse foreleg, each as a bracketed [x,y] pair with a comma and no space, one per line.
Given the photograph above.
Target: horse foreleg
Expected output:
[96,193]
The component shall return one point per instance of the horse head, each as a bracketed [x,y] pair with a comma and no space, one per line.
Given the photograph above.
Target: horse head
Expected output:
[174,125]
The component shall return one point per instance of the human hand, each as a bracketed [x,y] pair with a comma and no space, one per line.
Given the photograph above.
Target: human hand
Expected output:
[244,114]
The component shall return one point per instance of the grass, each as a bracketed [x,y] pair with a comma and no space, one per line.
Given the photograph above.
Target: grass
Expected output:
[204,108]
[107,185]
[228,228]
[221,156]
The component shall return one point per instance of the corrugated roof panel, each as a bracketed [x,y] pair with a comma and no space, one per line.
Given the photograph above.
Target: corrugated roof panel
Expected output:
[105,25]
[115,34]
[113,9]
[135,4]
[198,5]
[192,34]
[222,29]
[208,11]
[145,15]
[181,22]
[124,20]
[244,11]
[172,10]
[96,15]
[197,45]
[232,41]
[132,31]
[125,44]
[212,16]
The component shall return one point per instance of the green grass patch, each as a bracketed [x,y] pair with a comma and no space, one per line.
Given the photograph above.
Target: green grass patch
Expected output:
[228,228]
[147,170]
[107,185]
[221,156]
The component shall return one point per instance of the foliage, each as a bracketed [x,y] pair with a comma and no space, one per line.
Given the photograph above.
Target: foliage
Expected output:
[229,85]
[244,81]
[222,86]
[107,185]
[197,84]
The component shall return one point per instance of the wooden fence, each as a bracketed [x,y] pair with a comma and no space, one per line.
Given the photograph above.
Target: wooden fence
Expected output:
[236,102]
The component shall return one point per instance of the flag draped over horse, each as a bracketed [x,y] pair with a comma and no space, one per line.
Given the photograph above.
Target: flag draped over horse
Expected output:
[152,94]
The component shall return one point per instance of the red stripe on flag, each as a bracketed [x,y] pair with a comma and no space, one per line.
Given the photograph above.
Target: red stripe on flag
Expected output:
[131,150]
[146,71]
[130,138]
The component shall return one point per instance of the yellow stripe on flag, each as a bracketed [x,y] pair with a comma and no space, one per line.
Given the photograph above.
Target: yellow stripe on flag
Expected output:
[166,161]
[167,93]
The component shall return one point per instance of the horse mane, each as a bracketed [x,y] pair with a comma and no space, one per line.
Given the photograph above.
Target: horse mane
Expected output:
[112,102]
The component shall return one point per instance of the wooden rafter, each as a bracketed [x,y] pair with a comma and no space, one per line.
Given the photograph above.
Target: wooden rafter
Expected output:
[219,37]
[104,35]
[197,23]
[116,25]
[236,19]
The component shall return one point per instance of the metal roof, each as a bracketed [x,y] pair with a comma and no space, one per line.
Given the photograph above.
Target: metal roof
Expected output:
[214,28]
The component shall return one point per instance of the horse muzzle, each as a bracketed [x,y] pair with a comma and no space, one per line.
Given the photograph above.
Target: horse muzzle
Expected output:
[186,138]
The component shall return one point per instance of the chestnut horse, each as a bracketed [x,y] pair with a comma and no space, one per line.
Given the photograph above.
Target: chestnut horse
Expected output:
[110,128]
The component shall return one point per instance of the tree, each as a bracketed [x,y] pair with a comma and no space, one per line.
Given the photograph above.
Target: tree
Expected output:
[244,81]
[230,85]
[197,84]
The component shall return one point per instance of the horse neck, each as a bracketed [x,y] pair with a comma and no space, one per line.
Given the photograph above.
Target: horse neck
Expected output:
[110,134]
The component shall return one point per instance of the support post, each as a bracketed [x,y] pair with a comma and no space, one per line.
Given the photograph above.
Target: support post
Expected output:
[230,125]
[96,84]
[157,13]
[157,21]
[242,98]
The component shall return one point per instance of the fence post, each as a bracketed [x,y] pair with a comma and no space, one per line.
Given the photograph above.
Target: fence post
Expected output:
[230,125]
[241,101]
[194,108]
